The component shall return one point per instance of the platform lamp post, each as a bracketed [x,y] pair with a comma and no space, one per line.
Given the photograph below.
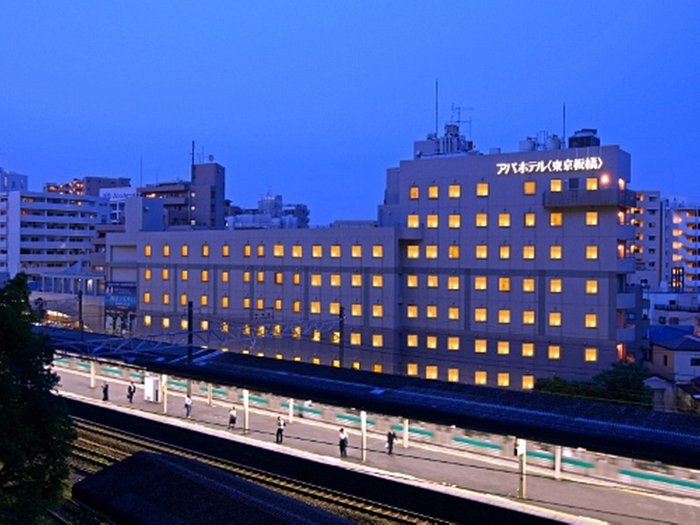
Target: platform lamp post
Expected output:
[189,343]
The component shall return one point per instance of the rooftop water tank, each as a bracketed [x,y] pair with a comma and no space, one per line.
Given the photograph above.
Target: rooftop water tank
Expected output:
[529,144]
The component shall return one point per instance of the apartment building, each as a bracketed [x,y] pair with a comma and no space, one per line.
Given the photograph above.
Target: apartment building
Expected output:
[87,185]
[683,246]
[493,269]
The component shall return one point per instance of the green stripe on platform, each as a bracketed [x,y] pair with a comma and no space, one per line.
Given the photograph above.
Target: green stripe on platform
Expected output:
[111,371]
[63,362]
[353,419]
[177,384]
[577,463]
[83,365]
[255,399]
[476,442]
[647,476]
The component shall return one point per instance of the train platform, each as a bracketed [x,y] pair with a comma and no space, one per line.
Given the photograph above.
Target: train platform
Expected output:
[570,499]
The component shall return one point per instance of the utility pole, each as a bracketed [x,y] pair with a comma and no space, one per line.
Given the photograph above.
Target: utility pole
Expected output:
[521,452]
[341,333]
[80,312]
[189,342]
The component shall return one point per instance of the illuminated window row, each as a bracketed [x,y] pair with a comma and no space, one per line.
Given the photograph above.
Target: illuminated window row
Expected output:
[481,251]
[296,251]
[431,312]
[554,319]
[454,191]
[204,250]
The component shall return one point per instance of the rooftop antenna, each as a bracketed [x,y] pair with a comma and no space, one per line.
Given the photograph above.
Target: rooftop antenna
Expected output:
[457,111]
[436,107]
[141,171]
[192,155]
[563,124]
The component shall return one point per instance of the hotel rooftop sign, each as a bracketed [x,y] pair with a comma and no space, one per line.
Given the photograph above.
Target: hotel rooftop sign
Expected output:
[550,166]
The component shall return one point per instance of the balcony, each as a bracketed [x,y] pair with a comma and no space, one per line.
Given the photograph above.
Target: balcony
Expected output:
[601,198]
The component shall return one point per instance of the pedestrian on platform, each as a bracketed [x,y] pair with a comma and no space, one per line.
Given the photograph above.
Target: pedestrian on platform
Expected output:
[279,436]
[232,416]
[343,443]
[130,391]
[188,406]
[105,391]
[390,437]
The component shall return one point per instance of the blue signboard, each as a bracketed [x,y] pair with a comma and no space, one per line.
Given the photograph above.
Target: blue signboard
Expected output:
[120,297]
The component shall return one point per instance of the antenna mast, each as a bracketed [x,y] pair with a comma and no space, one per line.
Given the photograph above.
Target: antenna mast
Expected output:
[436,108]
[563,124]
[457,110]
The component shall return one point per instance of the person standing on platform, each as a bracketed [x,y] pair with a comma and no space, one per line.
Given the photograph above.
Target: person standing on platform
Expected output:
[188,406]
[232,416]
[343,443]
[390,437]
[130,391]
[105,391]
[279,436]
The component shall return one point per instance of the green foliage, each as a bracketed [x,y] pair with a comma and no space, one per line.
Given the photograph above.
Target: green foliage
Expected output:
[623,383]
[35,430]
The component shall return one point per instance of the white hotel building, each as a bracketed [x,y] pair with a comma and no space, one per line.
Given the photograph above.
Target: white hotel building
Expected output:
[490,269]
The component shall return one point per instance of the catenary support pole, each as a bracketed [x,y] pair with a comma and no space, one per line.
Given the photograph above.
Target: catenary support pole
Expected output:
[246,411]
[405,432]
[557,462]
[93,373]
[291,409]
[363,428]
[210,394]
[164,388]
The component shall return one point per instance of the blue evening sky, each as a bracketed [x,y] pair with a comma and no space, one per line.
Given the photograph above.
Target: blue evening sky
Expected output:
[314,100]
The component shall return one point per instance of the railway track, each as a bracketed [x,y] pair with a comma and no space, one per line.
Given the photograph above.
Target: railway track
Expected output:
[98,446]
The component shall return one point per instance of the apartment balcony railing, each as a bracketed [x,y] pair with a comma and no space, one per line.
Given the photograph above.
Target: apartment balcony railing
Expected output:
[605,197]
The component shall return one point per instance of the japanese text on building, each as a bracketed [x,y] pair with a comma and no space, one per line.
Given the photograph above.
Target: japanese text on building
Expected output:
[550,166]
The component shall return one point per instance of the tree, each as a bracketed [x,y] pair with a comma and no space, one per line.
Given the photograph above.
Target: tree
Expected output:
[35,430]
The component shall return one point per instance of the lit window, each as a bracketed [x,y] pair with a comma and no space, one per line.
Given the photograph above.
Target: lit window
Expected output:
[431,251]
[591,320]
[529,187]
[528,349]
[555,286]
[279,277]
[316,336]
[481,251]
[377,281]
[260,277]
[296,332]
[453,342]
[412,341]
[377,341]
[432,280]
[480,377]
[503,347]
[481,220]
[528,317]
[529,220]
[147,250]
[454,220]
[246,250]
[316,251]
[166,298]
[591,252]
[555,251]
[355,338]
[412,251]
[480,282]
[480,315]
[482,189]
[504,220]
[433,192]
[183,299]
[480,346]
[225,250]
[296,278]
[184,250]
[412,311]
[504,284]
[412,369]
[146,297]
[528,284]
[431,342]
[204,324]
[553,352]
[453,282]
[554,318]
[278,250]
[413,192]
[503,379]
[316,279]
[203,300]
[556,218]
[278,304]
[591,218]
[454,191]
[431,372]
[335,251]
[432,221]
[246,276]
[504,251]
[453,375]
[335,279]
[356,310]
[591,183]
[377,251]
[165,322]
[184,275]
[528,252]
[377,311]
[224,276]
[591,355]
[296,306]
[453,251]
[205,276]
[147,320]
[245,303]
[334,308]
[356,251]
[147,274]
[431,311]
[528,382]
[504,316]
[315,307]
[591,286]
[297,251]
[555,185]
[412,281]
[205,250]
[166,250]
[260,250]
